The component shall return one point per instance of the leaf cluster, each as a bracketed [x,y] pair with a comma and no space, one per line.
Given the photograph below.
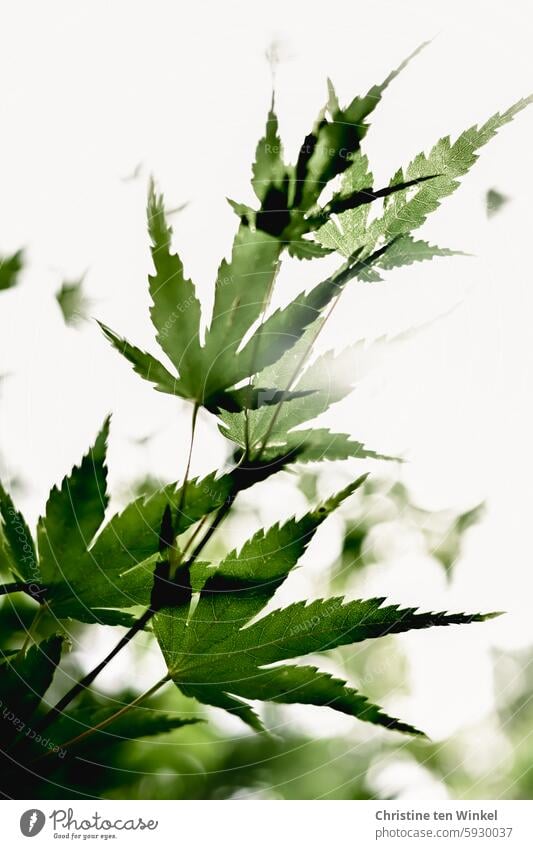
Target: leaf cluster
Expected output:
[255,370]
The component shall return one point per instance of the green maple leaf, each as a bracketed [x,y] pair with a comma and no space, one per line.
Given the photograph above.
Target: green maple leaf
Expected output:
[214,654]
[139,723]
[203,373]
[208,374]
[307,248]
[329,379]
[219,645]
[328,149]
[242,285]
[408,210]
[318,444]
[174,300]
[283,328]
[356,237]
[146,365]
[90,571]
[268,168]
[18,545]
[239,300]
[95,572]
[74,512]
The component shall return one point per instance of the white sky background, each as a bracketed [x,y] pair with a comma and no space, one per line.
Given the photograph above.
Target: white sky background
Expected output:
[89,90]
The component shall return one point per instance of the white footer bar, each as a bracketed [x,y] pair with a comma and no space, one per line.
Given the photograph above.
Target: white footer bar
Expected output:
[268,824]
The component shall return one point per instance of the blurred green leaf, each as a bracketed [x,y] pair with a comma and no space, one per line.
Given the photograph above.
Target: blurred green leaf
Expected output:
[495,202]
[73,303]
[10,268]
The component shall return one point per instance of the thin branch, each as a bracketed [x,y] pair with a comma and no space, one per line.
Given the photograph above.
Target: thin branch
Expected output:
[105,722]
[195,533]
[266,302]
[174,557]
[220,515]
[34,590]
[189,458]
[31,630]
[16,587]
[88,679]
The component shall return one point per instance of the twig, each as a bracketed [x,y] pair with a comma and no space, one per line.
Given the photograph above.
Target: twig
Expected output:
[31,630]
[15,587]
[266,302]
[188,466]
[32,588]
[88,679]
[105,722]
